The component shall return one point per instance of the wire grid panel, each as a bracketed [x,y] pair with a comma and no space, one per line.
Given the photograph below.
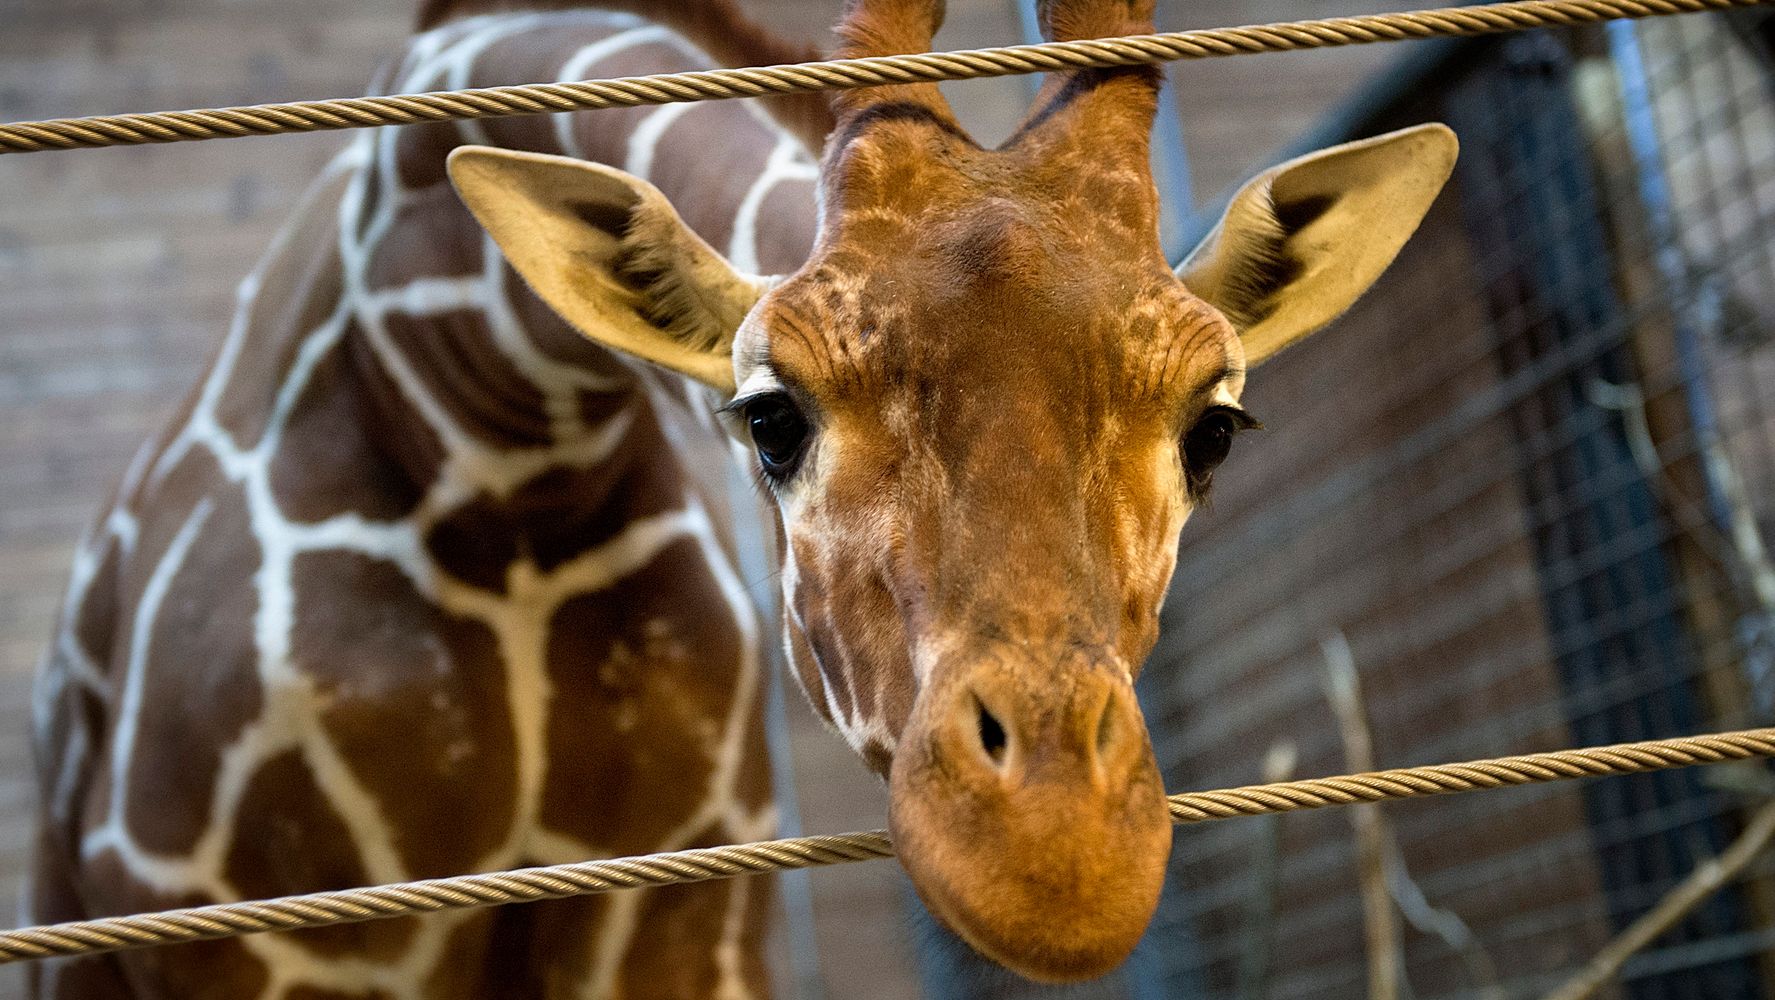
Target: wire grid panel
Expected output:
[1524,487]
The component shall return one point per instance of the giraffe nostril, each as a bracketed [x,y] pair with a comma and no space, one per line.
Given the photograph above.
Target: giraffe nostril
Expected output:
[992,734]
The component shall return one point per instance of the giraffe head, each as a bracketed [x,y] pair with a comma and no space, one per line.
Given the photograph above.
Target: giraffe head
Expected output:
[984,408]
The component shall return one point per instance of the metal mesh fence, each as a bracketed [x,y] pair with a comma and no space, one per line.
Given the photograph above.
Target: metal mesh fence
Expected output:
[1520,494]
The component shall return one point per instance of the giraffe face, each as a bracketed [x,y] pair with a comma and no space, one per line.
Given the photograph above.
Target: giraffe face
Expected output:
[984,415]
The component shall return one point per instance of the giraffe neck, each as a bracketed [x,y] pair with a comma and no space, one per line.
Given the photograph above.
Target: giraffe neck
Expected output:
[719,27]
[405,492]
[475,385]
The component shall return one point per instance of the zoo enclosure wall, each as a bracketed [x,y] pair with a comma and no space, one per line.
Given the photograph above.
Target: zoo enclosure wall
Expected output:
[1524,490]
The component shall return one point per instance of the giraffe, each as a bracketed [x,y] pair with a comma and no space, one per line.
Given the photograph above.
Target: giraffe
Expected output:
[982,410]
[419,581]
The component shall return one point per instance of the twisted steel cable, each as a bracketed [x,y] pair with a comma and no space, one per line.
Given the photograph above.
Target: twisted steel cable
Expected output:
[323,909]
[723,84]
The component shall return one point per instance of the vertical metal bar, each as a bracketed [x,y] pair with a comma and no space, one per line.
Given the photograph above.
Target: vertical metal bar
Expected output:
[1732,516]
[1031,29]
[1654,192]
[1171,172]
[796,887]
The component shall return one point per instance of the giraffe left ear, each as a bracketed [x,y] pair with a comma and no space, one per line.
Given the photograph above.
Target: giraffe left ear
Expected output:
[1301,242]
[607,251]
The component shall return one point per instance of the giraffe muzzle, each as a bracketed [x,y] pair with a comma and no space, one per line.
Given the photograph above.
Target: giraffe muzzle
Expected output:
[1029,811]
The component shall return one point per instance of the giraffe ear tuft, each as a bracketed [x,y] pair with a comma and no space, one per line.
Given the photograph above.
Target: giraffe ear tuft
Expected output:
[608,253]
[1301,242]
[674,281]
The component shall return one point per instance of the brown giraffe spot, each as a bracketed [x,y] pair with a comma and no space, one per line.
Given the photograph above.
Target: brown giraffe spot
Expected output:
[163,505]
[752,787]
[518,59]
[559,514]
[419,155]
[95,798]
[475,957]
[643,678]
[683,927]
[75,979]
[299,290]
[54,898]
[312,993]
[432,236]
[681,163]
[466,373]
[71,742]
[193,708]
[604,135]
[95,625]
[595,407]
[288,838]
[397,430]
[202,970]
[415,699]
[328,462]
[538,949]
[463,546]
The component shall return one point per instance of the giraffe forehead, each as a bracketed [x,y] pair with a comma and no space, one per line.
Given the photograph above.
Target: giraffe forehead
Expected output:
[975,320]
[924,180]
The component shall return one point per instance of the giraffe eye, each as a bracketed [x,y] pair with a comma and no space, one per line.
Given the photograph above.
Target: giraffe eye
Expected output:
[1208,443]
[779,432]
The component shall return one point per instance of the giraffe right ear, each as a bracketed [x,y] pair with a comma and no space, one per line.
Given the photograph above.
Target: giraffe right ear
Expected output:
[1301,242]
[607,251]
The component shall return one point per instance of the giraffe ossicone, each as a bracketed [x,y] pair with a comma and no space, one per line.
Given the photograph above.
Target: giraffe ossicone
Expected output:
[983,407]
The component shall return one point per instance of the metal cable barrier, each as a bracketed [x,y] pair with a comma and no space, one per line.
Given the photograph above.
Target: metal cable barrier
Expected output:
[324,909]
[724,84]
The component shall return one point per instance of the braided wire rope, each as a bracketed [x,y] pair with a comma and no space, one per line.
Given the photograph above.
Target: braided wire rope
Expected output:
[323,909]
[723,84]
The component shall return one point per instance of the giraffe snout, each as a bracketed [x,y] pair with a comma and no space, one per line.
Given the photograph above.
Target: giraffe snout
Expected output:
[1028,809]
[1094,735]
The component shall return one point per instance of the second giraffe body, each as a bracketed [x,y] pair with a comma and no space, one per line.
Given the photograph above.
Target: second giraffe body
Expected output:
[422,582]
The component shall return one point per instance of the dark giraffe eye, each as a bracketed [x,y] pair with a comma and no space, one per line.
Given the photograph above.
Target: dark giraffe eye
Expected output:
[779,432]
[1207,444]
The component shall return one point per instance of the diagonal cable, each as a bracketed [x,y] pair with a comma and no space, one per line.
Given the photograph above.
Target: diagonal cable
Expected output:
[324,909]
